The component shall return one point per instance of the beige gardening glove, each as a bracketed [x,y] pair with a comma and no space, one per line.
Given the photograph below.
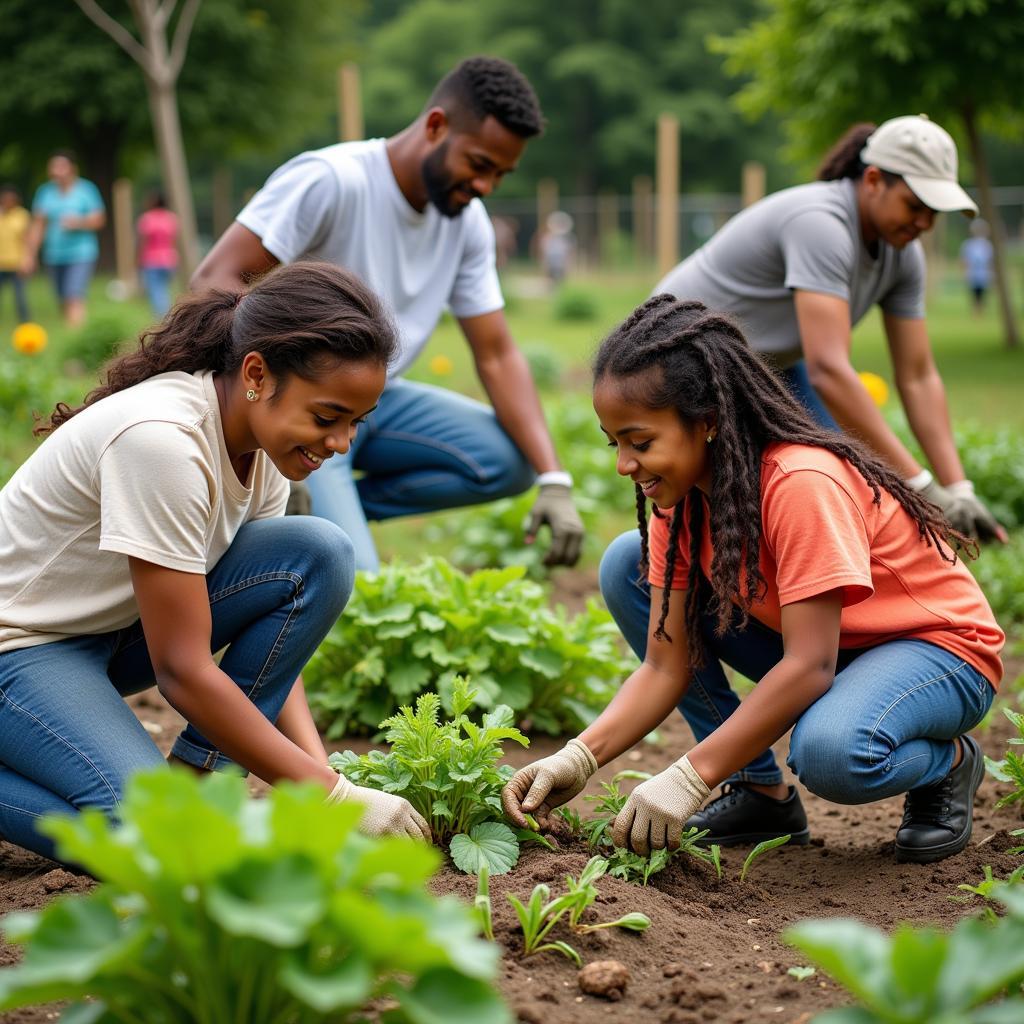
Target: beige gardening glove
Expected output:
[386,814]
[548,783]
[556,509]
[656,811]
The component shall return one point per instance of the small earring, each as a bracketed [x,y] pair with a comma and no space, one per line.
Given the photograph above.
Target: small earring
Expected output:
[711,438]
[252,396]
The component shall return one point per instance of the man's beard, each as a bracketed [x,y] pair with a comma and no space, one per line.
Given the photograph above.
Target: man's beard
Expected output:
[439,184]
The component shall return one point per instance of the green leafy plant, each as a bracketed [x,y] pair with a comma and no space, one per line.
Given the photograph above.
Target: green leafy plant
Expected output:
[624,864]
[219,908]
[1000,573]
[585,892]
[409,629]
[573,302]
[920,975]
[1011,768]
[768,844]
[98,339]
[538,916]
[985,888]
[449,771]
[1017,849]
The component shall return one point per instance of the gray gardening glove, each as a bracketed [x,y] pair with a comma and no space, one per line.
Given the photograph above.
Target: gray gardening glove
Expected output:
[555,508]
[964,510]
[299,501]
[548,783]
[656,811]
[386,814]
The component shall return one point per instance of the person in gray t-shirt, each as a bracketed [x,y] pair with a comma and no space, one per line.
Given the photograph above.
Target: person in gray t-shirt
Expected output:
[801,267]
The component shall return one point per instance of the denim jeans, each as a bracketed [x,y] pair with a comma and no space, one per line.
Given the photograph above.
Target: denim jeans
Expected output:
[67,738]
[422,449]
[885,726]
[17,282]
[799,384]
[157,282]
[71,280]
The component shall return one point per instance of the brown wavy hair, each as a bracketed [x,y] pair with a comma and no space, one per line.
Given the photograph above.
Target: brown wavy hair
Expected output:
[686,357]
[303,319]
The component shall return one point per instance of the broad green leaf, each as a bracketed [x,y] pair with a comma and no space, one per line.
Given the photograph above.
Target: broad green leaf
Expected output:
[395,630]
[430,622]
[275,901]
[300,822]
[491,843]
[547,663]
[407,680]
[982,960]
[347,985]
[394,862]
[854,954]
[93,1012]
[505,633]
[399,612]
[445,997]
[916,958]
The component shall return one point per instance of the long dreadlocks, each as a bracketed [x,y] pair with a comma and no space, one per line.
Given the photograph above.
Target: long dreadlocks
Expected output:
[684,356]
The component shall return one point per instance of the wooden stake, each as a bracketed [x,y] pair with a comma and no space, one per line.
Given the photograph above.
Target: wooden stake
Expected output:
[667,226]
[753,182]
[643,209]
[350,103]
[124,233]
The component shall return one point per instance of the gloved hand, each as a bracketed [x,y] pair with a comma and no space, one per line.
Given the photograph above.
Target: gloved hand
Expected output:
[657,809]
[554,506]
[386,814]
[548,783]
[964,510]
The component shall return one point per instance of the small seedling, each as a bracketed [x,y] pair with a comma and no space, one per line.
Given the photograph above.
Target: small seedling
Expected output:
[572,818]
[1017,849]
[985,887]
[538,917]
[768,844]
[482,904]
[585,892]
[801,973]
[1011,768]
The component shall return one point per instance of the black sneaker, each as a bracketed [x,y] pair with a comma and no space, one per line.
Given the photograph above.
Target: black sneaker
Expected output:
[742,815]
[937,819]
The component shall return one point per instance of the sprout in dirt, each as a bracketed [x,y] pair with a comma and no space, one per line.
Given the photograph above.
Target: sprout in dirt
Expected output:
[768,844]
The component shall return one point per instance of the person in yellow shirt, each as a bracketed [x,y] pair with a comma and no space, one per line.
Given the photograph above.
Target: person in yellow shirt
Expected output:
[14,221]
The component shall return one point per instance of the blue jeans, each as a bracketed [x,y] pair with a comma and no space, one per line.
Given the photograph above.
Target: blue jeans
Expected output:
[422,449]
[18,284]
[71,280]
[885,726]
[157,282]
[67,738]
[799,384]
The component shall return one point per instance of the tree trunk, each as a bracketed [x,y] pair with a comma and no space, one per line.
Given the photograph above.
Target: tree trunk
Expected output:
[99,151]
[988,211]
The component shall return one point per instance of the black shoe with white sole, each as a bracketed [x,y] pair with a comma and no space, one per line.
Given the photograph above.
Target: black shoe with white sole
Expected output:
[743,816]
[937,819]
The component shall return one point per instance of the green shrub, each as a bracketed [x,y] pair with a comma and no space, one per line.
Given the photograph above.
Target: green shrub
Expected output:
[573,302]
[409,629]
[999,569]
[218,908]
[29,388]
[98,339]
[545,366]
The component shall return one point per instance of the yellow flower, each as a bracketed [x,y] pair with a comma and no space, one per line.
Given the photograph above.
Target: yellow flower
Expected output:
[876,387]
[441,366]
[29,338]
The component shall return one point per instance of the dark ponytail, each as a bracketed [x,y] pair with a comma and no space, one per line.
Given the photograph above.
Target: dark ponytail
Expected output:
[302,318]
[843,159]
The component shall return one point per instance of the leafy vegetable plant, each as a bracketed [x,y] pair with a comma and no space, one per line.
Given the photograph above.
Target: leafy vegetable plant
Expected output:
[1011,768]
[922,976]
[768,844]
[217,908]
[448,771]
[409,629]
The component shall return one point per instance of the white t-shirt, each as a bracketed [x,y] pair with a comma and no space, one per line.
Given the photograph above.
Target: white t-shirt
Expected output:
[806,238]
[342,204]
[143,472]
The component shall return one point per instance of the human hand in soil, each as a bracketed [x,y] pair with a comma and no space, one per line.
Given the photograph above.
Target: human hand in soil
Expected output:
[386,814]
[548,783]
[657,810]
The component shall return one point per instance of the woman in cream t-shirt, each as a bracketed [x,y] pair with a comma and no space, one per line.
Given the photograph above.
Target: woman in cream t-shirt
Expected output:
[148,531]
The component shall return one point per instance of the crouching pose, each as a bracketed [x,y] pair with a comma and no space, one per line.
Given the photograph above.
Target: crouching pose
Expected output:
[147,532]
[801,560]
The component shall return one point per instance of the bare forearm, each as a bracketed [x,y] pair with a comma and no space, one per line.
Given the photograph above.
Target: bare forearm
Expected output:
[643,702]
[211,701]
[848,400]
[296,722]
[509,385]
[765,715]
[924,400]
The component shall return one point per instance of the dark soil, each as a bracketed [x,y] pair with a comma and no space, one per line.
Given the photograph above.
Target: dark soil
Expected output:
[714,951]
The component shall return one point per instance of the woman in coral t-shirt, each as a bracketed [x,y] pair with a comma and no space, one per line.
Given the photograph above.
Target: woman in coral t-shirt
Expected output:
[158,252]
[795,556]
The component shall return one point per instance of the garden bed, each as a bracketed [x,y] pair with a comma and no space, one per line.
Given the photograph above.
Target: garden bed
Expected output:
[713,951]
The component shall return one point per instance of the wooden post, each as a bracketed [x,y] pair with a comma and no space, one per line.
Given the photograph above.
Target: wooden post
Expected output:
[124,233]
[643,208]
[607,226]
[667,226]
[350,103]
[753,182]
[223,207]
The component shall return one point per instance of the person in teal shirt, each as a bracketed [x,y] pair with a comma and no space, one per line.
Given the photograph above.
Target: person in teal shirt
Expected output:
[67,213]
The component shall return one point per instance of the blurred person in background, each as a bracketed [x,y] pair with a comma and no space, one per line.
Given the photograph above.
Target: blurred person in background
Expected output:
[800,268]
[557,247]
[67,213]
[158,252]
[405,213]
[976,259]
[14,222]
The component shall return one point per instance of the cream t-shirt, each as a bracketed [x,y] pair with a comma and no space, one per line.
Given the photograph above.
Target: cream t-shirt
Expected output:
[144,472]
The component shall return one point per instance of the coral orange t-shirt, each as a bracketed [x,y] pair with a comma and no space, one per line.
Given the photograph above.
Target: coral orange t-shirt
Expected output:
[821,531]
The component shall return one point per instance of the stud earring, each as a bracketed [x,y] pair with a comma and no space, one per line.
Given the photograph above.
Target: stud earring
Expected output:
[710,438]
[251,394]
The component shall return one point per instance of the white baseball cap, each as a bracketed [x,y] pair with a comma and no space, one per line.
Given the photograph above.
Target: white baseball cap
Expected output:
[924,155]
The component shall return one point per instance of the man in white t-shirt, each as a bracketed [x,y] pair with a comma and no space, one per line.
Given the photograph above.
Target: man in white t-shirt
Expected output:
[405,214]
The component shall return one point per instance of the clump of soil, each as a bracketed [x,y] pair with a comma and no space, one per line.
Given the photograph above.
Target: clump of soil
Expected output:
[607,978]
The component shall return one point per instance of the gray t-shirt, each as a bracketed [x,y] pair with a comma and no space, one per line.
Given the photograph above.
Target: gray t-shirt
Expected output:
[806,237]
